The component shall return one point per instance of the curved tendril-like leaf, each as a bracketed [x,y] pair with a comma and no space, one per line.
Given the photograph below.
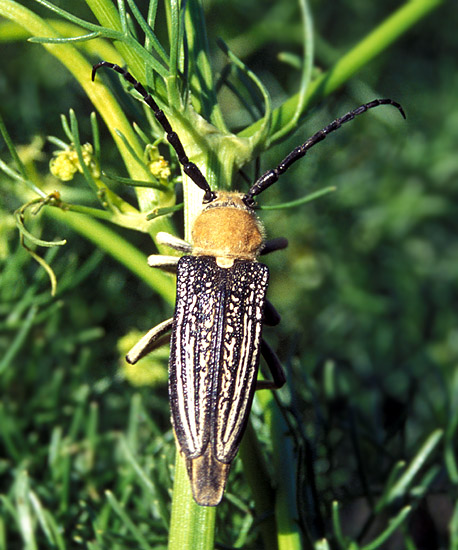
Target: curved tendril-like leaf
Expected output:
[52,198]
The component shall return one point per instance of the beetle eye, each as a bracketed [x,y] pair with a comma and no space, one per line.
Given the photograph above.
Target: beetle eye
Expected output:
[209,196]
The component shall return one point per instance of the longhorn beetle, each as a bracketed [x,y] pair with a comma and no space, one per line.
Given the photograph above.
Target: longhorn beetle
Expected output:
[221,306]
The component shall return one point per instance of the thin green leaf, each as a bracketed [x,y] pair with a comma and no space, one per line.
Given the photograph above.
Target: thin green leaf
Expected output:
[303,200]
[130,149]
[454,529]
[146,140]
[164,211]
[19,339]
[145,480]
[58,142]
[95,137]
[49,40]
[137,183]
[394,474]
[422,488]
[266,121]
[21,491]
[77,143]
[151,18]
[17,161]
[250,109]
[200,69]
[396,522]
[401,486]
[306,73]
[290,59]
[45,266]
[338,533]
[128,523]
[450,457]
[151,40]
[322,544]
[122,16]
[66,127]
[104,31]
[40,514]
[174,36]
[12,149]
[15,176]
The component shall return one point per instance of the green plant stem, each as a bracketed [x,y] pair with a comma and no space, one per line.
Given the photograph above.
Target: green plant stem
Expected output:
[288,534]
[191,526]
[367,49]
[255,472]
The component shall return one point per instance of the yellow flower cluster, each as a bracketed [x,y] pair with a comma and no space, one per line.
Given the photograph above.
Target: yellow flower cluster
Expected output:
[65,163]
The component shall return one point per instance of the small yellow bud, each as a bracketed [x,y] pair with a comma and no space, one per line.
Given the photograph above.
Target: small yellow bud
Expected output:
[65,163]
[160,169]
[157,164]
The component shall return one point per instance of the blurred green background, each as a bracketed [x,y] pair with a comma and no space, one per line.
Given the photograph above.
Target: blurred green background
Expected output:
[367,291]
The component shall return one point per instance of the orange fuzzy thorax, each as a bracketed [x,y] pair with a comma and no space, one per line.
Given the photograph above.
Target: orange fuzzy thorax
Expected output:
[227,230]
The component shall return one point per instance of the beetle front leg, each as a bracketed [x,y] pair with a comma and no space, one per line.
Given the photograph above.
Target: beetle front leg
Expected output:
[154,338]
[275,367]
[173,242]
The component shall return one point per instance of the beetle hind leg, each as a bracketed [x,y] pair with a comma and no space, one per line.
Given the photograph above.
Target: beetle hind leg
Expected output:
[275,367]
[154,338]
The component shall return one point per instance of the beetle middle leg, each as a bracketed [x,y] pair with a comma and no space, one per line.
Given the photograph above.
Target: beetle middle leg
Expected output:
[274,244]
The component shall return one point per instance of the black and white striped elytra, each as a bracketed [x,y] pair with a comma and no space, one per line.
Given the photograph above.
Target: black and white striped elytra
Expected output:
[220,310]
[214,358]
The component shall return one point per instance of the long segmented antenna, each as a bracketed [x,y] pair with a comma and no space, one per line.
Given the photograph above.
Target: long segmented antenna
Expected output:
[271,176]
[189,168]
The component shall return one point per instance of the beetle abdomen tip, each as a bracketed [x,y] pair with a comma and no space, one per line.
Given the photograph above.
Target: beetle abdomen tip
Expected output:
[208,478]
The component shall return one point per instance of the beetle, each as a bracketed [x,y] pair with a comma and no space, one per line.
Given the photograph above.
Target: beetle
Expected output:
[221,306]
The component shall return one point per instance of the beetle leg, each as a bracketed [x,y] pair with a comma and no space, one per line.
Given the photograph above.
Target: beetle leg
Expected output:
[273,362]
[274,244]
[154,338]
[173,242]
[271,316]
[166,263]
